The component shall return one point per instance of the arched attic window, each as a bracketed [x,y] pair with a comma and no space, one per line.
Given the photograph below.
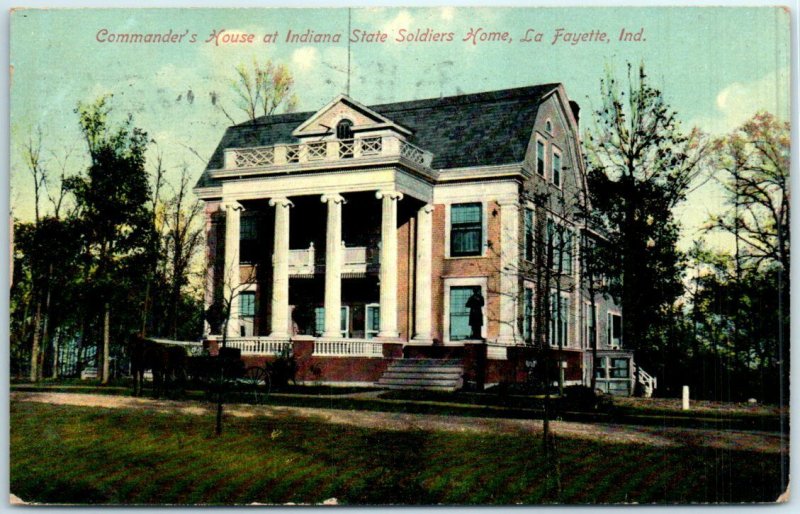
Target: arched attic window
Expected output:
[344,133]
[548,126]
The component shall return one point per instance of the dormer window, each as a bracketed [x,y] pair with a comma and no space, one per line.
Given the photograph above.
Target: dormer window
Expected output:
[344,129]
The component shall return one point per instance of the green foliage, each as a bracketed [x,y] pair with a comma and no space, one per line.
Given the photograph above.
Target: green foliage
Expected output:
[640,164]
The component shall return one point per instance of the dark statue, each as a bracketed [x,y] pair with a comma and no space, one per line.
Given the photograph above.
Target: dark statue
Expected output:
[475,306]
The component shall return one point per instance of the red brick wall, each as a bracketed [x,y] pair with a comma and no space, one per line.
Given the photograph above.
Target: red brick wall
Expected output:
[488,266]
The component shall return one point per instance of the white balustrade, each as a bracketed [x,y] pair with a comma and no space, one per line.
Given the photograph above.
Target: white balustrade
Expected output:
[331,150]
[258,345]
[348,348]
[356,260]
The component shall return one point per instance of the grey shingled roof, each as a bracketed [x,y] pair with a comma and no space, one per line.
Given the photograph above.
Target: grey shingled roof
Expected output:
[465,130]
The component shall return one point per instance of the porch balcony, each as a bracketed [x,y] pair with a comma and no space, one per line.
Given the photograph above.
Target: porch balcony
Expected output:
[357,260]
[364,150]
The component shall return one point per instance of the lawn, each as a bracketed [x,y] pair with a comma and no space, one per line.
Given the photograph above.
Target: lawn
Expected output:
[93,455]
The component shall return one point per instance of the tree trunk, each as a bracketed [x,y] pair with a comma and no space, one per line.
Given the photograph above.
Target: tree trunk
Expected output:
[46,322]
[106,342]
[35,346]
[54,373]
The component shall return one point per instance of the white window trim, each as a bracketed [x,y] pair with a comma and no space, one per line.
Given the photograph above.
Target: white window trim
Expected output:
[484,229]
[526,284]
[460,282]
[525,208]
[551,337]
[367,331]
[540,138]
[609,337]
[585,313]
[554,150]
[346,332]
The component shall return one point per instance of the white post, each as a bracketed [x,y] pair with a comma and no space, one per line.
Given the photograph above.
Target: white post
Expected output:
[333,265]
[422,291]
[231,275]
[685,405]
[509,272]
[280,268]
[388,272]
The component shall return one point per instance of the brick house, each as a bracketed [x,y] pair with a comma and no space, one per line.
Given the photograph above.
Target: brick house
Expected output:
[355,235]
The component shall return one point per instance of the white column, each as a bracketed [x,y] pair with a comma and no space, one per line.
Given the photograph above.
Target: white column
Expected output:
[509,272]
[422,292]
[231,277]
[280,268]
[333,265]
[388,273]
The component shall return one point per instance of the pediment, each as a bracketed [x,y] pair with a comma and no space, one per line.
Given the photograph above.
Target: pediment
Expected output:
[323,122]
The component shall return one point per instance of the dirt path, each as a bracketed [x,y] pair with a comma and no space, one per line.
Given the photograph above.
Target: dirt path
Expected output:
[606,432]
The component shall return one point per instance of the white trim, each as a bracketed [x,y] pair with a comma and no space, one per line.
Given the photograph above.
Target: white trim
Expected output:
[461,282]
[498,353]
[353,105]
[609,327]
[484,229]
[539,137]
[529,207]
[585,318]
[367,331]
[555,150]
[551,336]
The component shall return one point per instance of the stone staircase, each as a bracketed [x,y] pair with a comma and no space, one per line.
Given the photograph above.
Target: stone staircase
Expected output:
[431,374]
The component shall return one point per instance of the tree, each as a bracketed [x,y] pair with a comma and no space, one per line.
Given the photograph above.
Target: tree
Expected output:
[752,164]
[640,166]
[260,90]
[116,222]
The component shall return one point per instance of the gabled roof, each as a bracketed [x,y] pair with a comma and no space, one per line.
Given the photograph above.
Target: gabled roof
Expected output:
[466,130]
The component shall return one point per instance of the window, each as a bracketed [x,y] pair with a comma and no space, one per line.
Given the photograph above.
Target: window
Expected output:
[559,239]
[559,317]
[247,304]
[372,322]
[548,126]
[614,330]
[466,230]
[540,157]
[600,367]
[589,332]
[556,176]
[248,239]
[459,313]
[319,321]
[619,368]
[344,130]
[527,320]
[529,239]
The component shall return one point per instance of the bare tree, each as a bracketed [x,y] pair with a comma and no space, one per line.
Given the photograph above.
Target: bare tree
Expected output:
[259,90]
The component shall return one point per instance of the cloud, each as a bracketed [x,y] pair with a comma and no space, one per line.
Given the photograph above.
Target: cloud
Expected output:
[403,20]
[738,101]
[305,58]
[447,13]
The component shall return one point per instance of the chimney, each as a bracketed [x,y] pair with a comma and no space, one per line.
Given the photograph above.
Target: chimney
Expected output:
[576,111]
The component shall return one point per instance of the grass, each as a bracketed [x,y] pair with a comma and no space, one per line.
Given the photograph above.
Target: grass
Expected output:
[623,410]
[63,454]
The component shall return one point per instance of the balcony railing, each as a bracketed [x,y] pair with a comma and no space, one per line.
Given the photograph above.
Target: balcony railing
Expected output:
[357,259]
[325,151]
[348,348]
[259,345]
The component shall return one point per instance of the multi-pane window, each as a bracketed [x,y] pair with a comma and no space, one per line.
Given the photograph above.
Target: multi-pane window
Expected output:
[589,332]
[344,130]
[540,157]
[559,239]
[466,229]
[373,320]
[556,176]
[619,368]
[559,319]
[459,313]
[247,304]
[248,239]
[527,321]
[614,330]
[600,367]
[319,321]
[529,239]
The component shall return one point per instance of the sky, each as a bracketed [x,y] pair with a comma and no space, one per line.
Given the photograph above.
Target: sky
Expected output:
[716,67]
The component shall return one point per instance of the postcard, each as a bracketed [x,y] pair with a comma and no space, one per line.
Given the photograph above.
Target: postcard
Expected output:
[400,256]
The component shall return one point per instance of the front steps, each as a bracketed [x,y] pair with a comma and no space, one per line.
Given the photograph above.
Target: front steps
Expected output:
[430,374]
